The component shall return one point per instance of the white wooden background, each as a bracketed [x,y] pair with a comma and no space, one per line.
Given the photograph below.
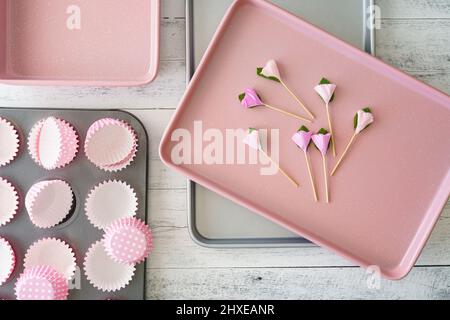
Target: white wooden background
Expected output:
[415,37]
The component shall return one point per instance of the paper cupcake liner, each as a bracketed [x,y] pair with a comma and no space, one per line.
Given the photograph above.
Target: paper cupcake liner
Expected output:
[49,202]
[54,253]
[121,165]
[128,241]
[9,201]
[53,143]
[9,142]
[7,260]
[109,201]
[41,283]
[109,142]
[104,273]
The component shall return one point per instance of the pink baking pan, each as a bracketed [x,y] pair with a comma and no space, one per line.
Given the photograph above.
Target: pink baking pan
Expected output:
[82,42]
[392,186]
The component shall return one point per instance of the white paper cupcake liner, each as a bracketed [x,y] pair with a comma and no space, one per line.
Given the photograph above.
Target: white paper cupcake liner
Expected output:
[104,273]
[9,142]
[110,142]
[9,201]
[41,283]
[53,143]
[7,260]
[54,253]
[49,202]
[123,164]
[109,201]
[128,240]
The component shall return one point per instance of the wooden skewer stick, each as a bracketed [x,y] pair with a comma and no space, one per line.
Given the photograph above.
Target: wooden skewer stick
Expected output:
[311,176]
[325,173]
[281,170]
[286,113]
[333,140]
[343,155]
[297,99]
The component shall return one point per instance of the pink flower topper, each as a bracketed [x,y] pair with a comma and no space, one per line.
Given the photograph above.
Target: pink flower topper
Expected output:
[325,90]
[302,138]
[322,142]
[250,99]
[253,141]
[271,72]
[363,118]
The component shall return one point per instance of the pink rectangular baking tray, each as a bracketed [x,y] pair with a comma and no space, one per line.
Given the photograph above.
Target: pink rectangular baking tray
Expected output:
[82,42]
[388,194]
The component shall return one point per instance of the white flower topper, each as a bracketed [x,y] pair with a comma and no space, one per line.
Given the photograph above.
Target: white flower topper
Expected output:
[253,141]
[271,72]
[363,118]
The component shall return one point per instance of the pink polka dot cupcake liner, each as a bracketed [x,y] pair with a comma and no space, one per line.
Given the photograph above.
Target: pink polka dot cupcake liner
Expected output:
[9,142]
[41,283]
[53,143]
[9,201]
[128,241]
[111,144]
[7,260]
[104,273]
[49,202]
[54,253]
[109,201]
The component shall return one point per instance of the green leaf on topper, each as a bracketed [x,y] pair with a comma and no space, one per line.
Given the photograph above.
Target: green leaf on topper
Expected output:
[355,119]
[259,73]
[322,131]
[303,128]
[250,130]
[241,97]
[326,81]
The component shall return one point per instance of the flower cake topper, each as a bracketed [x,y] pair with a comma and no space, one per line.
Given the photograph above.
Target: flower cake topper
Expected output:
[302,138]
[271,72]
[250,99]
[363,118]
[253,141]
[322,142]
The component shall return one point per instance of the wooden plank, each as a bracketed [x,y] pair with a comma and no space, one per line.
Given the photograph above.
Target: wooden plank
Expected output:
[419,47]
[174,248]
[294,283]
[414,9]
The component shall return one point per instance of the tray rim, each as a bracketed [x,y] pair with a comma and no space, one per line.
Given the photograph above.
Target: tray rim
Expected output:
[149,76]
[418,242]
[195,234]
[144,130]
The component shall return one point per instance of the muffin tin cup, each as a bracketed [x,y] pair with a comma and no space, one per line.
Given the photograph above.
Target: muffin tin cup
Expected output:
[75,230]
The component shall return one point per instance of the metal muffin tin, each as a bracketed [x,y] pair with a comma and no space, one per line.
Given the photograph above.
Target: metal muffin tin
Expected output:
[215,221]
[82,175]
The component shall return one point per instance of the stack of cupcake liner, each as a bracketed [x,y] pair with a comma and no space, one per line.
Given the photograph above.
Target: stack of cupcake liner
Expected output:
[49,264]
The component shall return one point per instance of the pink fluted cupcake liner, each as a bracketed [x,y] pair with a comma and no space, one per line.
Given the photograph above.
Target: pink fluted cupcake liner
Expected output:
[110,144]
[9,201]
[49,202]
[41,283]
[128,241]
[54,253]
[53,143]
[9,142]
[7,260]
[109,201]
[104,273]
